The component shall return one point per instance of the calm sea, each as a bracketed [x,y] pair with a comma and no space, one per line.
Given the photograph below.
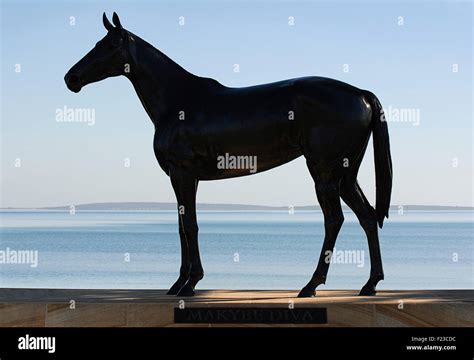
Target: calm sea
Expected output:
[239,250]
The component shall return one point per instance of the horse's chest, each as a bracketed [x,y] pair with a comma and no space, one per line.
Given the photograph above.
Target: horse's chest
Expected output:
[173,146]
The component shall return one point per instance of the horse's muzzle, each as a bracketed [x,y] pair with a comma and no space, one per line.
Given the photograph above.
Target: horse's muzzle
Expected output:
[73,82]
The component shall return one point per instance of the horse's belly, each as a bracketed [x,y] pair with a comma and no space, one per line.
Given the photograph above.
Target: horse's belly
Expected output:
[229,165]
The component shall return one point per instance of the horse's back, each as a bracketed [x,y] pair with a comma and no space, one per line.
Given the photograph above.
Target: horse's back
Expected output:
[310,98]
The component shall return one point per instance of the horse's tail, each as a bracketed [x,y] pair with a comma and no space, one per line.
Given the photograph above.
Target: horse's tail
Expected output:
[383,159]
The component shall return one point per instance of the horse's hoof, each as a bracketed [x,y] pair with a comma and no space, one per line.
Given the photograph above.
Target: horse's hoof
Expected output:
[174,290]
[367,290]
[186,290]
[178,284]
[306,293]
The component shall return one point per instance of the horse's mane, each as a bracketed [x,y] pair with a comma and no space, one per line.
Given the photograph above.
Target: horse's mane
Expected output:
[146,45]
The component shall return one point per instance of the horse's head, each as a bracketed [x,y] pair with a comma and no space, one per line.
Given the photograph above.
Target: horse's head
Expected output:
[108,58]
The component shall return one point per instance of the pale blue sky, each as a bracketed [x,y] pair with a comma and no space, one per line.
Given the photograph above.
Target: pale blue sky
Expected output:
[407,66]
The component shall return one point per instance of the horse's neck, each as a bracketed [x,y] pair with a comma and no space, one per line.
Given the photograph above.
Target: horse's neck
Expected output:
[156,78]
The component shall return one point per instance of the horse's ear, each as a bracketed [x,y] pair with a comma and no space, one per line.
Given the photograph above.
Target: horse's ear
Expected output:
[107,23]
[116,21]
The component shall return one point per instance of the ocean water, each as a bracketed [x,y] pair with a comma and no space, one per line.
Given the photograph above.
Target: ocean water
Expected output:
[239,250]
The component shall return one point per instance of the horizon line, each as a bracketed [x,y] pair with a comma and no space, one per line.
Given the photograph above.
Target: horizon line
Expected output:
[144,203]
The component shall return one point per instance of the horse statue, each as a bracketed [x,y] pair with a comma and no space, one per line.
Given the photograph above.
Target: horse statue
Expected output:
[199,121]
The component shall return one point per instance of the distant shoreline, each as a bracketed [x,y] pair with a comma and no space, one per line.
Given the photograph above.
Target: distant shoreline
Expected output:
[156,206]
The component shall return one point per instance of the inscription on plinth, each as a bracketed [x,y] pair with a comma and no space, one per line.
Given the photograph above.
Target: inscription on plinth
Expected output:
[245,315]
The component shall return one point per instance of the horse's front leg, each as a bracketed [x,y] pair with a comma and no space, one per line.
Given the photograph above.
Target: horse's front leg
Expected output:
[191,271]
[185,269]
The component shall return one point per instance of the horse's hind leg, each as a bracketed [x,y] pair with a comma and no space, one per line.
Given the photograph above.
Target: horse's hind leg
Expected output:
[327,191]
[353,196]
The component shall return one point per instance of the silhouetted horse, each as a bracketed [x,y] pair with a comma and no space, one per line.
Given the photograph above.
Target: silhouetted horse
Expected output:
[199,123]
